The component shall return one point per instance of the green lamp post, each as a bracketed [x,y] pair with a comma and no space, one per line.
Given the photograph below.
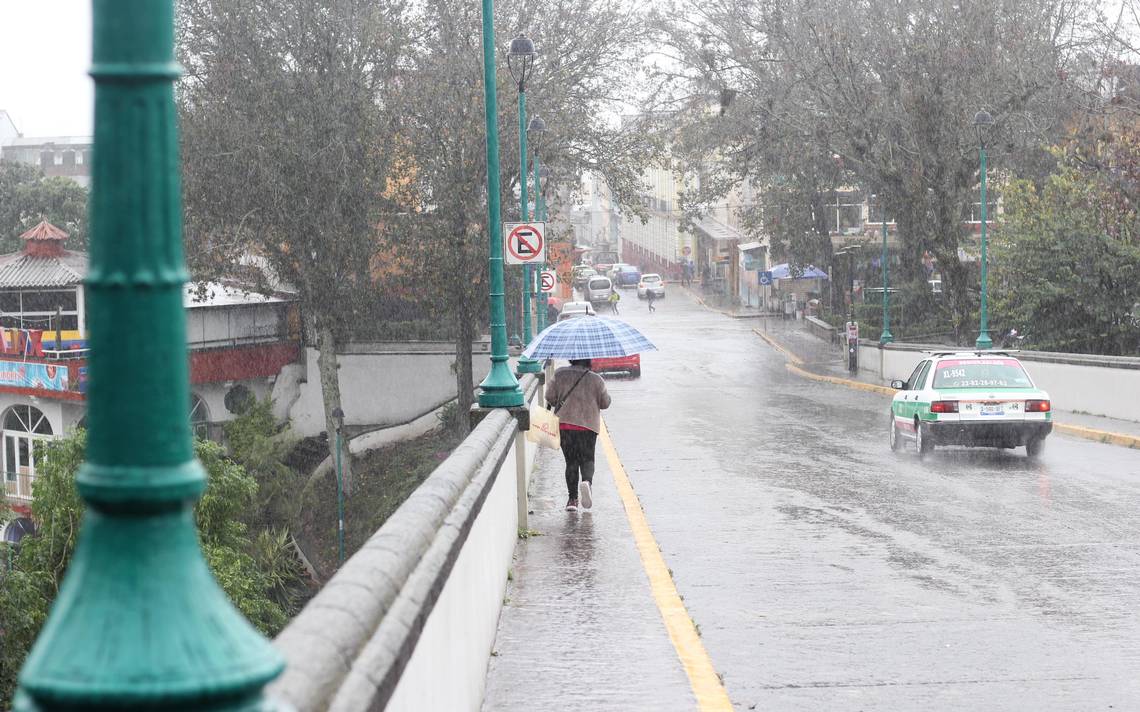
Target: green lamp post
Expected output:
[540,177]
[536,130]
[139,622]
[520,60]
[500,389]
[983,122]
[338,415]
[886,337]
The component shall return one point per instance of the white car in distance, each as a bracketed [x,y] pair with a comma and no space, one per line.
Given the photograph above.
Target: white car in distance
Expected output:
[651,284]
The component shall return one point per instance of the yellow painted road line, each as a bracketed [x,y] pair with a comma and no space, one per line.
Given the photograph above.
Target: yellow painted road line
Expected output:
[1100,436]
[707,687]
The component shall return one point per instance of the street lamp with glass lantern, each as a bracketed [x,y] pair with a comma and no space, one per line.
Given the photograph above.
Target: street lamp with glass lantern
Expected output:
[520,60]
[500,389]
[983,122]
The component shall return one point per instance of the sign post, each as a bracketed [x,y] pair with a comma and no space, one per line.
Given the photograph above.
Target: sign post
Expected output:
[853,346]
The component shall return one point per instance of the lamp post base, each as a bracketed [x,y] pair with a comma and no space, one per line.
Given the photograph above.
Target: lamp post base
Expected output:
[528,365]
[984,342]
[500,389]
[886,337]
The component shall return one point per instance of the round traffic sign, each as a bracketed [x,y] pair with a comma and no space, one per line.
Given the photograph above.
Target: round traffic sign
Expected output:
[548,280]
[525,243]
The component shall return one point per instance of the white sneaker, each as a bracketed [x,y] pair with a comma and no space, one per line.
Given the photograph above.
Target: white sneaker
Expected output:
[585,496]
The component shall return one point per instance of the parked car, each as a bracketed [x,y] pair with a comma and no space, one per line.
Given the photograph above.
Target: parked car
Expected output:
[573,309]
[582,275]
[598,289]
[651,284]
[618,364]
[627,276]
[976,399]
[614,269]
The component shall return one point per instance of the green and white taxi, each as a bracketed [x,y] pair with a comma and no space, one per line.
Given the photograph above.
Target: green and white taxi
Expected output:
[977,398]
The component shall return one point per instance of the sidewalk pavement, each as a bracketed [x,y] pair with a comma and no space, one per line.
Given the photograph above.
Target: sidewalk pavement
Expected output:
[827,360]
[579,628]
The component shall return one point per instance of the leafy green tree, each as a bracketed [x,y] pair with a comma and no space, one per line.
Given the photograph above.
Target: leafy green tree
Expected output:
[261,445]
[1066,255]
[890,88]
[27,197]
[287,121]
[254,570]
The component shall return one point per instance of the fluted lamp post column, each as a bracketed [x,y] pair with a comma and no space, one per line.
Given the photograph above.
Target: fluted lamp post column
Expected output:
[500,389]
[520,60]
[886,336]
[541,176]
[536,130]
[983,122]
[139,622]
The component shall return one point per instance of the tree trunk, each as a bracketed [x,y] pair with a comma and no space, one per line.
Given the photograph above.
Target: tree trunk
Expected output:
[464,377]
[330,393]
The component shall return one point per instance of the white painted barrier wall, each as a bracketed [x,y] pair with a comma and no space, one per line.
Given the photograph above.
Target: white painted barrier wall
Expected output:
[1099,385]
[448,670]
[380,384]
[409,621]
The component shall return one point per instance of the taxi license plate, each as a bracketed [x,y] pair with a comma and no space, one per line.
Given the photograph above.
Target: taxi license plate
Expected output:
[993,410]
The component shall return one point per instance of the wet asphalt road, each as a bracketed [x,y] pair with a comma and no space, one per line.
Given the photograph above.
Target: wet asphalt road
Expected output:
[827,573]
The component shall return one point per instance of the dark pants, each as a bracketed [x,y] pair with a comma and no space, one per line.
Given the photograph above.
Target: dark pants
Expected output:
[578,449]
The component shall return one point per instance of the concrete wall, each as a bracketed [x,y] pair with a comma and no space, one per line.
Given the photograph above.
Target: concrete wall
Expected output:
[380,384]
[408,623]
[1100,385]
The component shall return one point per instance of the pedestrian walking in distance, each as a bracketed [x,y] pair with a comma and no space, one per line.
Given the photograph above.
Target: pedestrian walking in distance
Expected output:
[579,396]
[614,299]
[649,298]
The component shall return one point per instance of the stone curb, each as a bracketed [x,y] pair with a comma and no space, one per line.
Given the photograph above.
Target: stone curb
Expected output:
[796,363]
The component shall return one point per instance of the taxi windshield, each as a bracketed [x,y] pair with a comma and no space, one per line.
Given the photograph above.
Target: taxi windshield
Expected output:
[981,373]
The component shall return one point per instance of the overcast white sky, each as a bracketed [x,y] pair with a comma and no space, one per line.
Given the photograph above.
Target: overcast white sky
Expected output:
[45,52]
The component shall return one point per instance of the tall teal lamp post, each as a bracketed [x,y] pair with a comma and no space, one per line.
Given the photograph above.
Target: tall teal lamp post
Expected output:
[541,176]
[520,60]
[536,130]
[886,337]
[338,416]
[139,622]
[500,389]
[983,122]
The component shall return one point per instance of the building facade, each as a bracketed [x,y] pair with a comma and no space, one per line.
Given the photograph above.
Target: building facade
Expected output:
[56,156]
[238,342]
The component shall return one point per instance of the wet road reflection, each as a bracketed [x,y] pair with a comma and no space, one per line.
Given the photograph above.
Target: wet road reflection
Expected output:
[828,573]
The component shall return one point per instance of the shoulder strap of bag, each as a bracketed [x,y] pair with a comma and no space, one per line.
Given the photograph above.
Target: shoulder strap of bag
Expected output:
[567,396]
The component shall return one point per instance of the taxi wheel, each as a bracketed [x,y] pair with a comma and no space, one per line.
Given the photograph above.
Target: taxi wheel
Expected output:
[1035,447]
[894,434]
[922,442]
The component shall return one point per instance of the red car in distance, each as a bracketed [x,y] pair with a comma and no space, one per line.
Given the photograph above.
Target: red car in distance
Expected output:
[618,364]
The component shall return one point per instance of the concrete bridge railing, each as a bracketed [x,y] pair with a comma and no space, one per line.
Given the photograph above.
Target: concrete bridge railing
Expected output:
[409,621]
[1099,385]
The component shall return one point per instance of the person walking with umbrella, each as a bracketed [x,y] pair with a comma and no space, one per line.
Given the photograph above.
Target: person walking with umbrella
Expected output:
[579,396]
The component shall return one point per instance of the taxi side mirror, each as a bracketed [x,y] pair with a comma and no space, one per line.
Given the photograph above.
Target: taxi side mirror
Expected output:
[898,385]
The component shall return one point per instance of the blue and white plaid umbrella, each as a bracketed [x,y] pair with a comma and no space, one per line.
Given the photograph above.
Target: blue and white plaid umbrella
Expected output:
[588,337]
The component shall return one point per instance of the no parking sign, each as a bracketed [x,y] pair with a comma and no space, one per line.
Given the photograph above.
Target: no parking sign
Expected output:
[524,243]
[547,280]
